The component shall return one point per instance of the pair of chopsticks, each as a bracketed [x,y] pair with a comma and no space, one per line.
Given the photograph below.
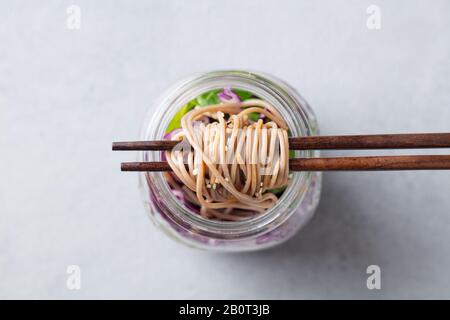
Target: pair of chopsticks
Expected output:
[349,142]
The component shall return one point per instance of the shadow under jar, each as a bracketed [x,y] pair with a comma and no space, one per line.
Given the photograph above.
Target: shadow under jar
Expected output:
[293,209]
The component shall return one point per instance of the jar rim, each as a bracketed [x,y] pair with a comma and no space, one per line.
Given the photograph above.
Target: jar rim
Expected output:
[283,97]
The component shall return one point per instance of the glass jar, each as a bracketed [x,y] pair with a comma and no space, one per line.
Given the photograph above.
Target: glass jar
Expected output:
[292,211]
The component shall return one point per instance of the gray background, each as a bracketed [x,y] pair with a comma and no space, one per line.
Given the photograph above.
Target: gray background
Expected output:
[65,95]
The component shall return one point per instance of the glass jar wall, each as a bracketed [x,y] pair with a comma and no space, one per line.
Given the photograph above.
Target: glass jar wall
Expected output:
[295,206]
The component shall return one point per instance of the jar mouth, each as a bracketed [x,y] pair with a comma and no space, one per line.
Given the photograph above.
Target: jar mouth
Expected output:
[266,87]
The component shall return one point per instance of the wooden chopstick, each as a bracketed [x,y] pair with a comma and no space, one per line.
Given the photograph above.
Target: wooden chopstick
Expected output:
[419,162]
[378,141]
[383,141]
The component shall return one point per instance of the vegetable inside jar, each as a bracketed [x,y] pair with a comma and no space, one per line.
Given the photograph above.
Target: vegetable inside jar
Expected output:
[230,188]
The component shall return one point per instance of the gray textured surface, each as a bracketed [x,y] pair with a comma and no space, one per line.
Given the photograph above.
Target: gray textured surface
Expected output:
[65,95]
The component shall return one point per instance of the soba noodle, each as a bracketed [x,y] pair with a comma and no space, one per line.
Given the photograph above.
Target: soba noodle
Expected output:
[233,160]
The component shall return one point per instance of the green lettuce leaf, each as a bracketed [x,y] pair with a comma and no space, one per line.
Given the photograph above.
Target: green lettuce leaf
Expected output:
[208,98]
[254,116]
[175,123]
[278,191]
[243,95]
